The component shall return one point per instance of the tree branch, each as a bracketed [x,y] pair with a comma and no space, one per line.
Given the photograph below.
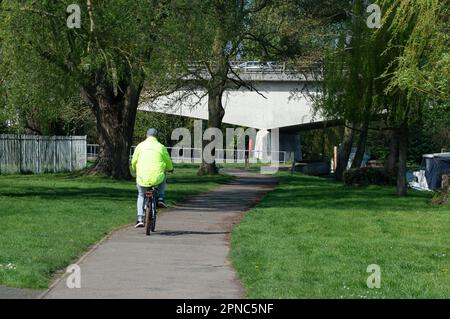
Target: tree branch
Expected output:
[240,82]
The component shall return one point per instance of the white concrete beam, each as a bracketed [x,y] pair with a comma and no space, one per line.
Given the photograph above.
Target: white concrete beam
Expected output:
[279,106]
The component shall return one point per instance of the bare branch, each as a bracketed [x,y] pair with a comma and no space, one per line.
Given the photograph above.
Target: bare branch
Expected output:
[240,82]
[91,29]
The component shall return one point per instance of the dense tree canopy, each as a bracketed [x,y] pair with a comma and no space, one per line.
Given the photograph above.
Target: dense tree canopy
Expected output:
[421,28]
[107,60]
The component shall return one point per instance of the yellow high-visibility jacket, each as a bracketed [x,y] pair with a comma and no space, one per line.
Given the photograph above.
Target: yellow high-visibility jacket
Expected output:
[150,161]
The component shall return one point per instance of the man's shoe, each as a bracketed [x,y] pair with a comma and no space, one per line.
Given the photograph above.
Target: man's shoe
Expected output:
[139,224]
[161,203]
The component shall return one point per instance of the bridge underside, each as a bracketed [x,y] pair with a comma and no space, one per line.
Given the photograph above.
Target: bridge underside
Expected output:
[277,103]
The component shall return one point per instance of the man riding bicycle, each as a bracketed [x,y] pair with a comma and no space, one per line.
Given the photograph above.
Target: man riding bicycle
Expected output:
[150,162]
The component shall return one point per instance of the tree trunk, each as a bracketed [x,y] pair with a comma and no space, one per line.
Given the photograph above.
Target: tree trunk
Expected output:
[344,151]
[402,158]
[115,118]
[391,162]
[216,113]
[218,71]
[361,148]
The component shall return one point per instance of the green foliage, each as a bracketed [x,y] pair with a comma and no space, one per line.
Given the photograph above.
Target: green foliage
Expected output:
[202,37]
[35,90]
[415,47]
[349,71]
[431,135]
[164,123]
[437,124]
[318,144]
[421,142]
[377,144]
[301,29]
[47,63]
[420,29]
[393,68]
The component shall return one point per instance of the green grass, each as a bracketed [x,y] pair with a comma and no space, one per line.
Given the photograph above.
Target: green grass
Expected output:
[313,238]
[47,221]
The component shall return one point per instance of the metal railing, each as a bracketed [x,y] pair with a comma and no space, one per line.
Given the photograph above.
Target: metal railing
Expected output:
[92,151]
[193,155]
[258,67]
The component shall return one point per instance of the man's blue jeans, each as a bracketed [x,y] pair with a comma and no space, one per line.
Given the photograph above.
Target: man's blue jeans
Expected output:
[141,196]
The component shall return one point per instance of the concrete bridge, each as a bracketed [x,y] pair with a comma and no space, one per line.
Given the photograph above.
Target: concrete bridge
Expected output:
[279,101]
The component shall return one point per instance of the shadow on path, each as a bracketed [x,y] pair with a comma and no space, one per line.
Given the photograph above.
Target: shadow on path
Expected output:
[188,252]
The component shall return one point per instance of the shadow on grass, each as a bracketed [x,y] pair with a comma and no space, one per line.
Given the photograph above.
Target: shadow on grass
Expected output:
[74,193]
[187,232]
[61,188]
[318,193]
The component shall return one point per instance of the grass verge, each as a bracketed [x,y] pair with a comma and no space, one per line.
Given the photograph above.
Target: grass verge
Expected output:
[314,238]
[47,221]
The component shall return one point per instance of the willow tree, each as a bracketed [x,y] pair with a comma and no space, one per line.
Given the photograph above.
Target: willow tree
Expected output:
[40,100]
[349,84]
[394,71]
[106,58]
[421,28]
[3,110]
[415,57]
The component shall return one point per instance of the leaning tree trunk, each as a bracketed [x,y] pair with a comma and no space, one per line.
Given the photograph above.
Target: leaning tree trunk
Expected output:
[362,140]
[361,148]
[344,152]
[402,158]
[115,118]
[216,113]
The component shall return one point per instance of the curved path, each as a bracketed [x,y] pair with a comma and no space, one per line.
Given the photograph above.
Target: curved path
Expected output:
[186,258]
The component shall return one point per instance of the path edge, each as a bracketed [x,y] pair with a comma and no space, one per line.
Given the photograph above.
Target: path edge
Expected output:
[59,277]
[240,216]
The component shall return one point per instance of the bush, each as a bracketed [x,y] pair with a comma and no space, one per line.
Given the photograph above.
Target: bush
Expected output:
[367,176]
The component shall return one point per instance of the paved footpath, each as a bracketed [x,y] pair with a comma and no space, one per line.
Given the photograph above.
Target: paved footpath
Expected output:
[187,256]
[17,293]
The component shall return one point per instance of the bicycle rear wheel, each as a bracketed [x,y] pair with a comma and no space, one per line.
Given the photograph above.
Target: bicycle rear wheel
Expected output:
[148,220]
[154,205]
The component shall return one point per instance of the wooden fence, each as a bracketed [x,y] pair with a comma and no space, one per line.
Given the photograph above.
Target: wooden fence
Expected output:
[41,154]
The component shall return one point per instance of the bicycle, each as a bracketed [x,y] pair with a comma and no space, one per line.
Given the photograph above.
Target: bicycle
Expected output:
[150,210]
